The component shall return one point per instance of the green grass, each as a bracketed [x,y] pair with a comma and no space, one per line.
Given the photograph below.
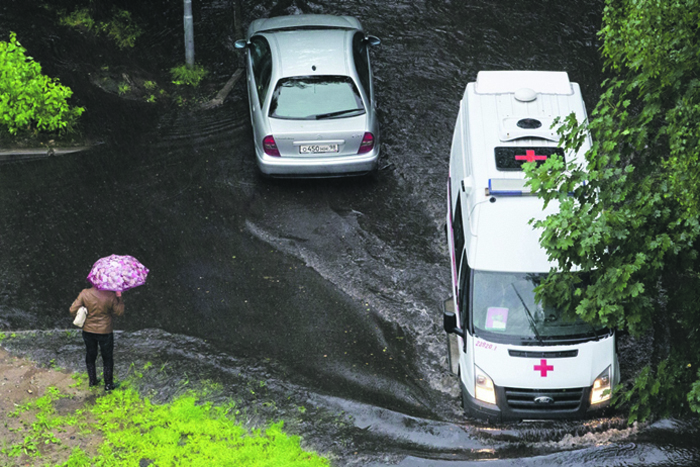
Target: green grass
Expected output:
[190,76]
[40,431]
[184,432]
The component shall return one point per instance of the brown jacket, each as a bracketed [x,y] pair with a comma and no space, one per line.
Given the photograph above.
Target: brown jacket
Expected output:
[102,305]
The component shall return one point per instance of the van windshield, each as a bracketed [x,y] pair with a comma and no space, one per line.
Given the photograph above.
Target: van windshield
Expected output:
[504,309]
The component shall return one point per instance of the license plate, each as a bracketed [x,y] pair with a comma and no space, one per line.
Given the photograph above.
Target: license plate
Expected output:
[317,148]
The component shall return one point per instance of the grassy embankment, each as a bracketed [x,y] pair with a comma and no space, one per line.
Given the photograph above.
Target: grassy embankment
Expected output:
[131,430]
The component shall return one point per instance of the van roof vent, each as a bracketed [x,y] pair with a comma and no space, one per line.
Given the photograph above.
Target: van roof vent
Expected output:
[529,123]
[513,128]
[525,95]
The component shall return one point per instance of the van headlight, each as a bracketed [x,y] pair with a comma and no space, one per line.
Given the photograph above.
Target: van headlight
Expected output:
[483,387]
[602,389]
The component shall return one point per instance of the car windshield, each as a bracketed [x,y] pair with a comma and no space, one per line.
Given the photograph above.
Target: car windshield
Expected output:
[316,98]
[504,305]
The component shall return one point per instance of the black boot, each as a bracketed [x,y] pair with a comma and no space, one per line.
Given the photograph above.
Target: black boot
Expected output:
[109,379]
[92,375]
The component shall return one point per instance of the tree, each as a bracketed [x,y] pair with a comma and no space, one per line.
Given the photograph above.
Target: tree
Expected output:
[631,216]
[30,100]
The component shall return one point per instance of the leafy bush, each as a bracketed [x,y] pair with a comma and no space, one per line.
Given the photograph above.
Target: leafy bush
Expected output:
[28,99]
[121,28]
[123,88]
[661,391]
[190,76]
[78,19]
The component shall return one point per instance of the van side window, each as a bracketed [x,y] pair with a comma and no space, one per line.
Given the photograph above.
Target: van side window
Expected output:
[464,282]
[458,229]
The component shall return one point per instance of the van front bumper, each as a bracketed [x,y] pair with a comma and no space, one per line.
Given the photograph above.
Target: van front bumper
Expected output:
[519,404]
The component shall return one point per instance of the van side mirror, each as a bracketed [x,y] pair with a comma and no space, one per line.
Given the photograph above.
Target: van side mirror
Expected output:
[240,44]
[450,324]
[373,40]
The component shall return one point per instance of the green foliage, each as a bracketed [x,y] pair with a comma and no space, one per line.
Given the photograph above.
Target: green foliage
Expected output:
[79,378]
[630,217]
[182,432]
[77,458]
[121,28]
[42,430]
[662,392]
[184,75]
[80,18]
[30,100]
[652,46]
[123,88]
[694,394]
[186,432]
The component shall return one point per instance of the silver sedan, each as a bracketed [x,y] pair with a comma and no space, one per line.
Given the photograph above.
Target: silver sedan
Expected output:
[311,96]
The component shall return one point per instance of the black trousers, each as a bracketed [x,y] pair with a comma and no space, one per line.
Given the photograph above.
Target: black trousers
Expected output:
[106,345]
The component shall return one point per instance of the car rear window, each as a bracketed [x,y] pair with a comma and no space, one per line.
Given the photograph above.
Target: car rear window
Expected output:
[316,97]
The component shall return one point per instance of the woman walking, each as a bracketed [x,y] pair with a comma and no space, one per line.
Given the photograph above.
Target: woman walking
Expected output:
[102,307]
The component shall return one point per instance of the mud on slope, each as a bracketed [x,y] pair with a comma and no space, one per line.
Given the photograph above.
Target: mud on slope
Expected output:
[24,381]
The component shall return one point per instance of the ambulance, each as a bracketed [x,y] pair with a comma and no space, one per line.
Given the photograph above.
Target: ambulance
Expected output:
[516,359]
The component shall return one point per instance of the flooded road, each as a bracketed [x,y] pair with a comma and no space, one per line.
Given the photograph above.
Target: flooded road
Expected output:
[318,294]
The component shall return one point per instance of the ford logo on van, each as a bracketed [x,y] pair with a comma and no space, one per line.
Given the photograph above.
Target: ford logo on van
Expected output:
[544,400]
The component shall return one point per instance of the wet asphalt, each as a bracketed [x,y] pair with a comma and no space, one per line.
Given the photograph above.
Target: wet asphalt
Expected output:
[326,289]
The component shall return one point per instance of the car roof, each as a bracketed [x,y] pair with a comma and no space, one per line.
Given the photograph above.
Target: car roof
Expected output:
[295,52]
[302,22]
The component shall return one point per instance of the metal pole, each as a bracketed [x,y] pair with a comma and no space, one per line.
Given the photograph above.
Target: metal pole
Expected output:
[189,35]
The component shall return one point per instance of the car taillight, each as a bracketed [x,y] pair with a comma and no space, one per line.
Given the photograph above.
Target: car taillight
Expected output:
[270,147]
[367,143]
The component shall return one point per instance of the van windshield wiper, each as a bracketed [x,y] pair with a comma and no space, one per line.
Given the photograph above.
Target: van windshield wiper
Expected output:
[337,113]
[529,315]
[595,333]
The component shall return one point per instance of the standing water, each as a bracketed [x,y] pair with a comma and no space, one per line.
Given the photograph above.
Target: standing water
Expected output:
[311,301]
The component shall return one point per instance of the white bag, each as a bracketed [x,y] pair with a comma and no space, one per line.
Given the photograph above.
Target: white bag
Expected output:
[80,317]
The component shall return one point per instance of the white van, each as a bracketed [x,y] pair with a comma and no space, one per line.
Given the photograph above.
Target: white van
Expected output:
[515,358]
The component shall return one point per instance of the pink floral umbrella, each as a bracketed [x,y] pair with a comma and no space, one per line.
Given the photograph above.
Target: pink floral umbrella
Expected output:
[117,273]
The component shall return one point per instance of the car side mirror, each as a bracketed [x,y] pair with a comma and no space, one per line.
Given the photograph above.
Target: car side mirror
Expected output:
[450,324]
[240,44]
[373,40]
